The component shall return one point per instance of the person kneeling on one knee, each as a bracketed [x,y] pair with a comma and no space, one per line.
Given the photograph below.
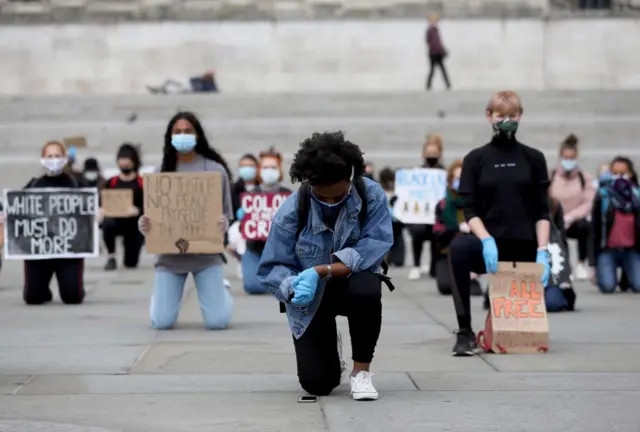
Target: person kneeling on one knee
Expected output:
[186,149]
[325,247]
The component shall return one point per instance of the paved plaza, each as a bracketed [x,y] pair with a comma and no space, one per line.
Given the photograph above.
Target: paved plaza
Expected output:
[99,367]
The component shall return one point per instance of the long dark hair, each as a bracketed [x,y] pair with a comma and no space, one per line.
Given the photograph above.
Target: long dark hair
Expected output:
[170,155]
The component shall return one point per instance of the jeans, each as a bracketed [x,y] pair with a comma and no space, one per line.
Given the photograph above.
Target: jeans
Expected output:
[359,298]
[216,304]
[609,260]
[250,261]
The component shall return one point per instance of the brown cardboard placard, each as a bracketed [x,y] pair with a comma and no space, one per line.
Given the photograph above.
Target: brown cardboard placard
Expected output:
[1,236]
[77,142]
[518,312]
[184,209]
[116,203]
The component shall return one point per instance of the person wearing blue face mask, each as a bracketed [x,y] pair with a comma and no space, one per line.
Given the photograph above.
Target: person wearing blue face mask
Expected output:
[323,257]
[573,189]
[186,149]
[270,173]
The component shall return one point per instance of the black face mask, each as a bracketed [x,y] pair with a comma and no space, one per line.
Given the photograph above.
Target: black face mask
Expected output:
[431,161]
[126,171]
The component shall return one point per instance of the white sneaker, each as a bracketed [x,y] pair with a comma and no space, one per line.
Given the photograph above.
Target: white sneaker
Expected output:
[362,388]
[227,284]
[414,274]
[343,364]
[581,272]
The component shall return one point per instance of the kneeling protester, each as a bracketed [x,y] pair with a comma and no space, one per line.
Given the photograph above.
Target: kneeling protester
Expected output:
[323,258]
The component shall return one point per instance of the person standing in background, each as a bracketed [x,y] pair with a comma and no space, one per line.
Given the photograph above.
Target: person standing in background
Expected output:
[573,188]
[92,174]
[369,171]
[420,233]
[397,253]
[437,52]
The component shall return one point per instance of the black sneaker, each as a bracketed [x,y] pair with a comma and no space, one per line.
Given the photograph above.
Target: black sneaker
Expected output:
[111,264]
[466,345]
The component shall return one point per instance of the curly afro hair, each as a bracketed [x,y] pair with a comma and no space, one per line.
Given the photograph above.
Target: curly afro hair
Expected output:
[325,159]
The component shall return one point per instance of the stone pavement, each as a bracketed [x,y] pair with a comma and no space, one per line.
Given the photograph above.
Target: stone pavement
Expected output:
[99,367]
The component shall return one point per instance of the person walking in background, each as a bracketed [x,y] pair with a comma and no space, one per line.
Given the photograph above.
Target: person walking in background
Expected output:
[369,171]
[437,52]
[92,174]
[615,219]
[128,161]
[420,233]
[573,188]
[271,176]
[397,253]
[449,224]
[186,149]
[505,187]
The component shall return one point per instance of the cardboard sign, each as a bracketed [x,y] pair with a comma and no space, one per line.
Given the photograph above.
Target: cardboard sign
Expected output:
[116,203]
[51,223]
[419,191]
[518,312]
[77,142]
[184,209]
[259,209]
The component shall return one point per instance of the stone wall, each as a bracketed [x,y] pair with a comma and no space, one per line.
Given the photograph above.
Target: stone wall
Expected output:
[328,56]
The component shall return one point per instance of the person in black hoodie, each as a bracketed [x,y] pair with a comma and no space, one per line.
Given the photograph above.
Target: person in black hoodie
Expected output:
[69,271]
[420,233]
[271,175]
[92,174]
[504,185]
[397,252]
[128,161]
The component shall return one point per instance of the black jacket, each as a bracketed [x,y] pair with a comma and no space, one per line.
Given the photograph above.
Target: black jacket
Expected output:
[601,225]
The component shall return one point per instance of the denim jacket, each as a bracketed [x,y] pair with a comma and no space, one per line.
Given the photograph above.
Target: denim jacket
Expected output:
[359,248]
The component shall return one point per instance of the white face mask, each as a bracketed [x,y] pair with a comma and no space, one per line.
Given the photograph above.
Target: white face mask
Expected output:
[269,176]
[54,165]
[91,175]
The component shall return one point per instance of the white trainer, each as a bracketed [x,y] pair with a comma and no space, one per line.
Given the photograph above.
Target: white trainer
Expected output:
[425,269]
[362,388]
[414,274]
[581,272]
[343,364]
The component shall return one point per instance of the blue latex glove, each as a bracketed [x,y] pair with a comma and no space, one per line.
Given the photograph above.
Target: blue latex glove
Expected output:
[304,287]
[240,214]
[490,254]
[542,257]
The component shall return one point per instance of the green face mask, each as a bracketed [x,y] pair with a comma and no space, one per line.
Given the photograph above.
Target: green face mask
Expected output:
[506,128]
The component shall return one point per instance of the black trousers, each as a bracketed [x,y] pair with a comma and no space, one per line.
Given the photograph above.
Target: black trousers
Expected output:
[38,274]
[579,230]
[132,239]
[419,235]
[359,298]
[437,60]
[397,252]
[465,256]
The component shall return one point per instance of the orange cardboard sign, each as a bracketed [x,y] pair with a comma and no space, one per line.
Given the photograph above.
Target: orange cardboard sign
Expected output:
[519,321]
[76,141]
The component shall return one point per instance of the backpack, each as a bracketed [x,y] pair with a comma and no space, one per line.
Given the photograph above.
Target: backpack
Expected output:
[583,182]
[114,180]
[304,206]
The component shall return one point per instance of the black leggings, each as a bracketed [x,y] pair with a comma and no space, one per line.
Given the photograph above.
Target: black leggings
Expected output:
[419,235]
[437,60]
[359,298]
[38,274]
[579,230]
[465,255]
[132,239]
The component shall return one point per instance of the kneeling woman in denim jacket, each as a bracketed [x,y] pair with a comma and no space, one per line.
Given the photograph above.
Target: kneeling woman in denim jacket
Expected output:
[186,149]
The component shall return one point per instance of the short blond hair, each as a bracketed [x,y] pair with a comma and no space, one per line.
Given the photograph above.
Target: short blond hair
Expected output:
[505,103]
[434,140]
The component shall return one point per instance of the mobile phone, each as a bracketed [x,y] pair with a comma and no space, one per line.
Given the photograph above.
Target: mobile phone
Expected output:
[307,399]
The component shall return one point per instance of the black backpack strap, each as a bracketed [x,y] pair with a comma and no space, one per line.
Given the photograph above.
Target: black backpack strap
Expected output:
[583,183]
[304,195]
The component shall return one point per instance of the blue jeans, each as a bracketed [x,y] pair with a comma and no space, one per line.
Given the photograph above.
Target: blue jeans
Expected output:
[216,304]
[250,261]
[608,263]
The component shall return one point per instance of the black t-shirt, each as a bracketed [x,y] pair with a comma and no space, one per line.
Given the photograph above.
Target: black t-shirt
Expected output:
[505,183]
[63,180]
[135,184]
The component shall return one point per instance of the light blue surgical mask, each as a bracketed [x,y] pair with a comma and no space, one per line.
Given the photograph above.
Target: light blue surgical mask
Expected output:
[183,143]
[455,184]
[270,176]
[606,176]
[568,164]
[247,173]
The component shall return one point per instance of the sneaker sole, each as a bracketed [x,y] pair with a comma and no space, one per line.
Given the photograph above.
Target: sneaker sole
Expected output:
[361,397]
[469,353]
